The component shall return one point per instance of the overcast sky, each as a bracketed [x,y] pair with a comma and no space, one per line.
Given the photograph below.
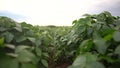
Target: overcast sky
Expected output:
[55,12]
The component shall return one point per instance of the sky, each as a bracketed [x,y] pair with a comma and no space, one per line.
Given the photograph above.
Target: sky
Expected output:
[55,12]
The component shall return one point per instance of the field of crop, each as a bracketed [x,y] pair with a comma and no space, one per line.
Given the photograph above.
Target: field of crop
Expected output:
[91,42]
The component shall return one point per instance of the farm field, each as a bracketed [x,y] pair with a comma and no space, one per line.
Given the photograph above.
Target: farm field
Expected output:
[91,42]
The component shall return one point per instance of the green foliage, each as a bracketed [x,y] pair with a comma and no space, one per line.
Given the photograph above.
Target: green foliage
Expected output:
[2,42]
[92,42]
[6,62]
[116,36]
[117,51]
[99,35]
[86,61]
[44,62]
[28,65]
[19,41]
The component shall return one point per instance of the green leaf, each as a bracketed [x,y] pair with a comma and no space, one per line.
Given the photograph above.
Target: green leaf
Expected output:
[108,37]
[8,36]
[12,55]
[31,39]
[20,39]
[116,36]
[117,50]
[96,35]
[81,29]
[44,62]
[2,42]
[91,57]
[95,65]
[37,42]
[30,33]
[28,65]
[100,45]
[26,56]
[38,51]
[21,48]
[86,45]
[101,17]
[45,54]
[80,61]
[74,67]
[74,22]
[109,59]
[8,63]
[18,27]
[107,13]
[86,61]
[3,29]
[10,46]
